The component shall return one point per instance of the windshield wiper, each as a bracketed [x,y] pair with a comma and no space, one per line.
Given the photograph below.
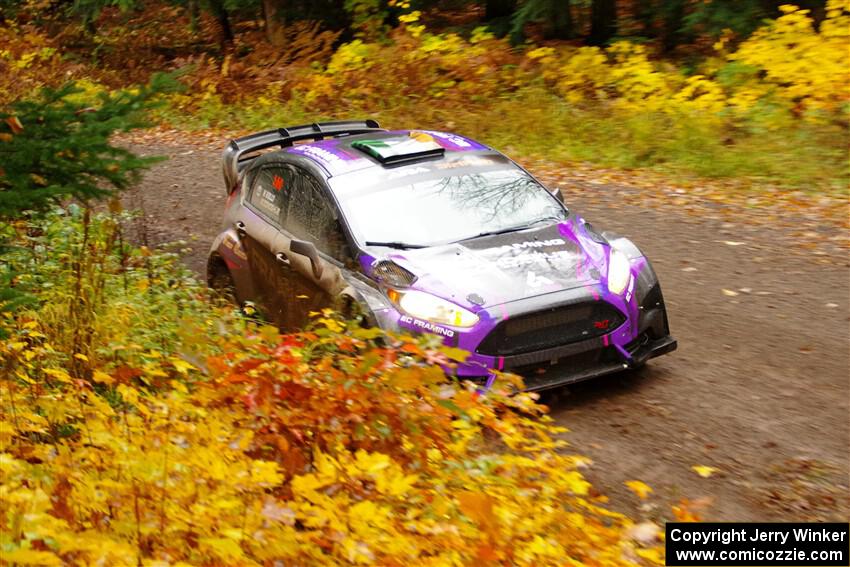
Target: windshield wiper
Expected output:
[398,245]
[512,229]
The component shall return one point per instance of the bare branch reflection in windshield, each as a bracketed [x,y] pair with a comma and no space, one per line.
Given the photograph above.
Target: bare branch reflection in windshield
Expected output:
[490,200]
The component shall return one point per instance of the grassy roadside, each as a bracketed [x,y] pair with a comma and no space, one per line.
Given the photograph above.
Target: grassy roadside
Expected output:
[538,125]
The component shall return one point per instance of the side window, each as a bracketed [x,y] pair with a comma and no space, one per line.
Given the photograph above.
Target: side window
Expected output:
[312,217]
[271,188]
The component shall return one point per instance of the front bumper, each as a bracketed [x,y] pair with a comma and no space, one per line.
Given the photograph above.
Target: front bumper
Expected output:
[593,364]
[644,334]
[558,337]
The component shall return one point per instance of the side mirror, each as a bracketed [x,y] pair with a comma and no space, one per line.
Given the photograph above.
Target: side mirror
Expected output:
[556,192]
[308,249]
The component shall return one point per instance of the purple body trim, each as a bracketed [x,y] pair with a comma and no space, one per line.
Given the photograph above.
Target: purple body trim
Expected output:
[591,274]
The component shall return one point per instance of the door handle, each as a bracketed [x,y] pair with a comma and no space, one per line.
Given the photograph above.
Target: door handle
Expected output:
[240,228]
[282,258]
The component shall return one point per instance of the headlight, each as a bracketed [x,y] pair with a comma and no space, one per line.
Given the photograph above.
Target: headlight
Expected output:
[619,272]
[430,308]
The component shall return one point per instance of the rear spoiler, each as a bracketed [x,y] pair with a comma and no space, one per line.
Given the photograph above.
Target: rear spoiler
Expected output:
[237,153]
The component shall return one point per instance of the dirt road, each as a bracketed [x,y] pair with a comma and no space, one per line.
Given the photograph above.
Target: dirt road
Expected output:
[759,388]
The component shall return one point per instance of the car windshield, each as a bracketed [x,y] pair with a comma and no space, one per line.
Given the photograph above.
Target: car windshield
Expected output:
[427,212]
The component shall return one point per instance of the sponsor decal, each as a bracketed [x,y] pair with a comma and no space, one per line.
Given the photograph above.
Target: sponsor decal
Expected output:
[331,160]
[528,253]
[239,251]
[456,142]
[277,182]
[535,281]
[530,244]
[468,161]
[528,258]
[318,153]
[602,324]
[406,171]
[266,203]
[427,326]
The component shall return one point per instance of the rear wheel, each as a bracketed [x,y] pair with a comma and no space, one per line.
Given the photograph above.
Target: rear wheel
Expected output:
[220,280]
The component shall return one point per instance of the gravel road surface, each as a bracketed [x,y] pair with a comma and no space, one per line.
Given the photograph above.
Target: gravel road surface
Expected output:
[759,388]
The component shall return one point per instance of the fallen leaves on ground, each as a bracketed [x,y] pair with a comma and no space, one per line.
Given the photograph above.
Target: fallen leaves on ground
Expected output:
[704,471]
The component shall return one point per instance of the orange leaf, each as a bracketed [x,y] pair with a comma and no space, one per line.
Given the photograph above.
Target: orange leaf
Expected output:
[15,124]
[477,506]
[487,553]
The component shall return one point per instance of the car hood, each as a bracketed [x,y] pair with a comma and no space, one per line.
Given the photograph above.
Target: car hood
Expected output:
[498,269]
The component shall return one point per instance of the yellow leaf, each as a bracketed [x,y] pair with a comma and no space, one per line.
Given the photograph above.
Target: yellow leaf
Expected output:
[81,356]
[653,555]
[30,557]
[60,375]
[453,353]
[102,377]
[640,488]
[24,377]
[181,365]
[704,471]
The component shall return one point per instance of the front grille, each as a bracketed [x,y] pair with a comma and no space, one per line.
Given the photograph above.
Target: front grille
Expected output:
[551,327]
[576,363]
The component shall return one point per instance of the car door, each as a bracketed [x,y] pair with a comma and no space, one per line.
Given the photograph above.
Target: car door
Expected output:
[313,217]
[259,230]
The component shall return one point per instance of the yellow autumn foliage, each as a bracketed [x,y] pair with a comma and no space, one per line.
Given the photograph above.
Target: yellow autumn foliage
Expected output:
[787,63]
[805,68]
[185,435]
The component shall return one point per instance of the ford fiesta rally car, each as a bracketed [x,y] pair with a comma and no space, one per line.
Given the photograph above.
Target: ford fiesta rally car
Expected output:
[430,232]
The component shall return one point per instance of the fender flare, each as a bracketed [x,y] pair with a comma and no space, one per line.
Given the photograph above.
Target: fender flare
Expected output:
[350,297]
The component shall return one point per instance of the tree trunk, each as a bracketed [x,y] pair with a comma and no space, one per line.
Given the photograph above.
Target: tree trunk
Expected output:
[645,14]
[274,12]
[193,9]
[674,20]
[603,21]
[494,9]
[561,24]
[219,12]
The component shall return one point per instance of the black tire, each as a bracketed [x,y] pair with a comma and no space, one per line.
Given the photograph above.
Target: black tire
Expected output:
[220,280]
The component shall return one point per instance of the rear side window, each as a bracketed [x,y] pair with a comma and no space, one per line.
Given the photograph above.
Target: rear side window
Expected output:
[312,217]
[270,192]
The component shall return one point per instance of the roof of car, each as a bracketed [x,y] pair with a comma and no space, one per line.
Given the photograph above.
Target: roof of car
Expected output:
[337,156]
